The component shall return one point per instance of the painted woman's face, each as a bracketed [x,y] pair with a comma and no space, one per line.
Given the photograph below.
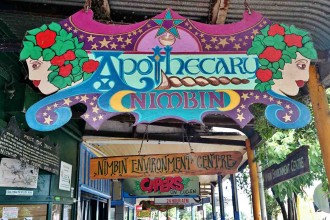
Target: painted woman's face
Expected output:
[294,74]
[38,74]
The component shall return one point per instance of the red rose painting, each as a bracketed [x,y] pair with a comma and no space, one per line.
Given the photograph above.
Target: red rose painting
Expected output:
[45,39]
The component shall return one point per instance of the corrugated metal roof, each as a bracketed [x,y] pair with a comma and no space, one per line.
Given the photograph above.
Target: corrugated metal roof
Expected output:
[26,22]
[194,9]
[313,16]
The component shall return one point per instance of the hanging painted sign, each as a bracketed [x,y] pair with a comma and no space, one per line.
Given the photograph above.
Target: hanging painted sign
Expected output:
[149,205]
[176,201]
[162,186]
[141,214]
[295,164]
[167,67]
[156,165]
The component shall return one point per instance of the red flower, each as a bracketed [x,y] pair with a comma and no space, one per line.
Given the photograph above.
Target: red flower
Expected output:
[90,66]
[69,55]
[264,75]
[276,29]
[57,61]
[65,70]
[45,38]
[293,40]
[271,54]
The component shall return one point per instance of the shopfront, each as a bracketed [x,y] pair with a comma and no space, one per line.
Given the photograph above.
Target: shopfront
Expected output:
[38,170]
[94,195]
[167,67]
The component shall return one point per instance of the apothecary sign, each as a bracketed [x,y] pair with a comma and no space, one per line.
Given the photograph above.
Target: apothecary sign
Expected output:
[167,67]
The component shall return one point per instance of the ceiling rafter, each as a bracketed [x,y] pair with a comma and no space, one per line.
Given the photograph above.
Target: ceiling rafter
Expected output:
[220,11]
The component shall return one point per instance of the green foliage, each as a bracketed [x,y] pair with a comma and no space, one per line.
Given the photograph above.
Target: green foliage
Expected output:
[271,205]
[277,145]
[184,214]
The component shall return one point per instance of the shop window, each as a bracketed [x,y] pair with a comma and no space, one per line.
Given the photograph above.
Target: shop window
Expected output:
[112,213]
[67,210]
[56,211]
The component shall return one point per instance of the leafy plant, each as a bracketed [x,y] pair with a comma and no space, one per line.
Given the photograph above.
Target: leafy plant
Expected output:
[276,146]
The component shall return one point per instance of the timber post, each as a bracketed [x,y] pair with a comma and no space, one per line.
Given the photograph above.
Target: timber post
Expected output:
[254,181]
[320,106]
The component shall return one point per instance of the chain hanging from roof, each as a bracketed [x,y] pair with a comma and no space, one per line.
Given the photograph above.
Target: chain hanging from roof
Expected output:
[247,7]
[146,133]
[187,137]
[87,5]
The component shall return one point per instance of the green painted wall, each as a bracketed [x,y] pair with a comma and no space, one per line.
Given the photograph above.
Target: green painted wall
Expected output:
[67,138]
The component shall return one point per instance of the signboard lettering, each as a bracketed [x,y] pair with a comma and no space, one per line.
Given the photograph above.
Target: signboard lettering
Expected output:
[65,176]
[167,67]
[167,164]
[19,193]
[160,186]
[32,150]
[295,164]
[9,212]
[175,201]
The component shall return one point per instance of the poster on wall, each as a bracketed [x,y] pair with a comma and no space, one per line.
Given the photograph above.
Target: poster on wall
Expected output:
[65,176]
[162,186]
[15,173]
[167,67]
[9,212]
[28,148]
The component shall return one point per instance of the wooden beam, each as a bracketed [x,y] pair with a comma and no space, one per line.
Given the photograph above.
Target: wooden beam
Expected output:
[165,137]
[254,181]
[219,11]
[101,9]
[324,72]
[321,115]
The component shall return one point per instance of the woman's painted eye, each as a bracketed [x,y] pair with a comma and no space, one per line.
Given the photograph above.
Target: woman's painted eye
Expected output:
[36,65]
[301,66]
